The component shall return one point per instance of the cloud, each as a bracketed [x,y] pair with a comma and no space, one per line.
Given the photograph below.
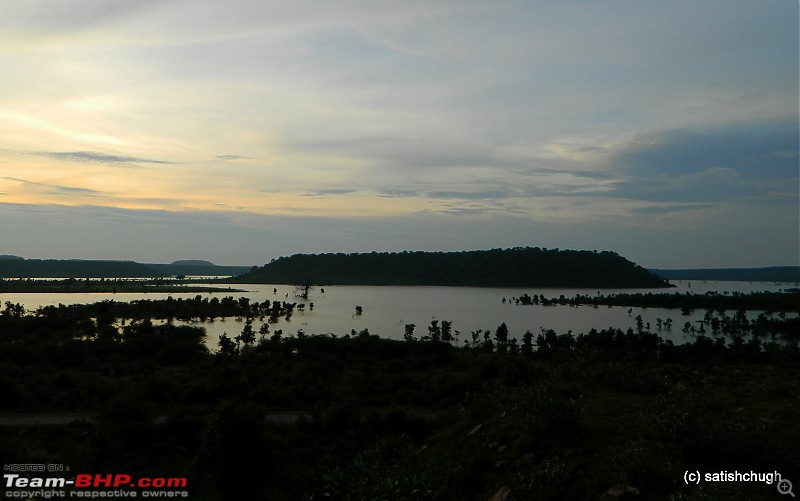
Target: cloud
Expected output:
[77,190]
[232,157]
[665,209]
[753,160]
[463,211]
[408,153]
[46,17]
[761,145]
[577,173]
[399,193]
[94,157]
[478,207]
[466,195]
[329,192]
[55,189]
[502,191]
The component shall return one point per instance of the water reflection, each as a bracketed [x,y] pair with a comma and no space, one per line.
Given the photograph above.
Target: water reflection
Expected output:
[387,309]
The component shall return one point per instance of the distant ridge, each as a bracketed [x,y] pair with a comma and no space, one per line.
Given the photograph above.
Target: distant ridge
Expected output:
[199,268]
[192,262]
[789,274]
[516,267]
[15,267]
[74,268]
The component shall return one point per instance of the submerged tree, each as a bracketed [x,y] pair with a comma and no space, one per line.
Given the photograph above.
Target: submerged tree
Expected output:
[302,290]
[409,332]
[248,335]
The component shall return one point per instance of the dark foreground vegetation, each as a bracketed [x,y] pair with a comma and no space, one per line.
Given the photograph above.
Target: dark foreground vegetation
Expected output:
[784,301]
[549,416]
[769,274]
[516,267]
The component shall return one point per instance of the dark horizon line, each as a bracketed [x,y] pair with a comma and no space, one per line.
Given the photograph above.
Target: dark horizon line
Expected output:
[211,263]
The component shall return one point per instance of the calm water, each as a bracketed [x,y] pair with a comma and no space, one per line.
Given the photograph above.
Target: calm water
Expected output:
[387,309]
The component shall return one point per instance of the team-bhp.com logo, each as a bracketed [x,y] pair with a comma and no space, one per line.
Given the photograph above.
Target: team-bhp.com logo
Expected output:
[84,484]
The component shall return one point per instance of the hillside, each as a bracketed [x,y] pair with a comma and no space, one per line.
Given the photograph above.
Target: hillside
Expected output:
[517,267]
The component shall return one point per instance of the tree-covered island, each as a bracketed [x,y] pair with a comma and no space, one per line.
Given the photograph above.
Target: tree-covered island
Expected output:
[514,267]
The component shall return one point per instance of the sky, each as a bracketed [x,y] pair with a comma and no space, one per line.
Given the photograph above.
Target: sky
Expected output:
[246,130]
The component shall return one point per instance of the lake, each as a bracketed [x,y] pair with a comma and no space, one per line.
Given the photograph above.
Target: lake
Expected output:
[387,309]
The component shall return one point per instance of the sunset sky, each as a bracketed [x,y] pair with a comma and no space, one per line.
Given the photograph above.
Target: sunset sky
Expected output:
[244,130]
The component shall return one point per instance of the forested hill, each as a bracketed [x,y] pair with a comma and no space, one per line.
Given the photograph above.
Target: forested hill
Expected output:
[517,267]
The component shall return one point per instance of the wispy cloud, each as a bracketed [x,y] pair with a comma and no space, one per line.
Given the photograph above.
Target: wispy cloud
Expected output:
[74,189]
[760,145]
[399,193]
[668,208]
[467,195]
[464,205]
[568,171]
[723,162]
[329,192]
[55,189]
[413,152]
[99,158]
[232,157]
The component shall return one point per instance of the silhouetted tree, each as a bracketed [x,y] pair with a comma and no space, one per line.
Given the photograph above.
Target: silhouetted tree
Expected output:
[409,332]
[226,345]
[527,343]
[447,331]
[434,331]
[247,336]
[501,334]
